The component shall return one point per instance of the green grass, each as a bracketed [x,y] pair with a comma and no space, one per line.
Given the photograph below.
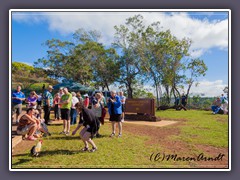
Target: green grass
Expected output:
[59,151]
[130,151]
[200,127]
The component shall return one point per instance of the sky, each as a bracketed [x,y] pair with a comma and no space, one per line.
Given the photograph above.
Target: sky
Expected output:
[207,30]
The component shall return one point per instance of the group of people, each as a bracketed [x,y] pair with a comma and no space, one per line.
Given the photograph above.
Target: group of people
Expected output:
[220,105]
[179,105]
[67,106]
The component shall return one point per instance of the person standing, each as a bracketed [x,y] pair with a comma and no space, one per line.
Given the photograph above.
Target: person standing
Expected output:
[115,110]
[39,105]
[79,96]
[65,103]
[123,100]
[73,114]
[103,101]
[61,92]
[56,102]
[86,100]
[17,98]
[80,99]
[97,106]
[183,102]
[32,100]
[47,104]
[224,102]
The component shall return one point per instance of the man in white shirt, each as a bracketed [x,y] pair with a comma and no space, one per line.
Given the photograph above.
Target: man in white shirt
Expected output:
[224,104]
[123,100]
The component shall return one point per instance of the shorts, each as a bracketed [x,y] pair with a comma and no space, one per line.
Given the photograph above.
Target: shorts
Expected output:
[25,130]
[65,114]
[123,108]
[16,108]
[115,117]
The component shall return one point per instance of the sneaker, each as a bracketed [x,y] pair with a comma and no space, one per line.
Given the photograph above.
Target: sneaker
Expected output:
[98,135]
[62,132]
[30,138]
[122,120]
[113,134]
[119,135]
[67,134]
[84,149]
[93,149]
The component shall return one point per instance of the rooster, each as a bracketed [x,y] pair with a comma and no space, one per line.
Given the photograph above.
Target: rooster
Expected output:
[35,151]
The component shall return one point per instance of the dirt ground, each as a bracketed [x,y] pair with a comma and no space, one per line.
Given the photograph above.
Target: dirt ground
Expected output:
[160,136]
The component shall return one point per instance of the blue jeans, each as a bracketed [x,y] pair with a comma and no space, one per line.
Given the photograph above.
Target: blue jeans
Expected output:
[215,109]
[73,116]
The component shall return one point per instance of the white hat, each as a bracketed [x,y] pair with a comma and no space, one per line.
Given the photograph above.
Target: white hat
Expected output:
[85,95]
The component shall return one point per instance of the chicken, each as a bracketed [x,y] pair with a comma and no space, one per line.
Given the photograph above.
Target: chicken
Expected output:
[35,151]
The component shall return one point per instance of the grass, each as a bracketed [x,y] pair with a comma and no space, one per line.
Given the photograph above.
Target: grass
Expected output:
[200,127]
[130,151]
[60,151]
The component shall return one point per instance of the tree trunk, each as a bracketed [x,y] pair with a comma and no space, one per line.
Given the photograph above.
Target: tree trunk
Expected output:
[157,95]
[189,87]
[130,92]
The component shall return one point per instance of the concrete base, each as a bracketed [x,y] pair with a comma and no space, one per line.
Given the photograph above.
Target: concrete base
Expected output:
[158,124]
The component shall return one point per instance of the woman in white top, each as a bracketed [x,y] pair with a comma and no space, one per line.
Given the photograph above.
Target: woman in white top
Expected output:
[73,113]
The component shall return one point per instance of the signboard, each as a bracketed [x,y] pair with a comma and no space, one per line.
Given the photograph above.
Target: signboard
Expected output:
[143,106]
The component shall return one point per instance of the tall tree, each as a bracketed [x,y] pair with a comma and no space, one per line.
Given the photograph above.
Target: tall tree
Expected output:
[83,60]
[197,68]
[126,38]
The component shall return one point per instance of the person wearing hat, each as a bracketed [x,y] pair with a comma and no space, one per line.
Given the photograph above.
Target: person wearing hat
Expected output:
[47,103]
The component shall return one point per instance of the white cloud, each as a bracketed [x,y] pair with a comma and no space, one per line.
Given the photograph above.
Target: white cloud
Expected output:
[209,88]
[205,88]
[28,17]
[204,33]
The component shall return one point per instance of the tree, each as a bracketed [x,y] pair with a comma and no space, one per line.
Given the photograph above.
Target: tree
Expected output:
[159,55]
[26,75]
[82,60]
[197,68]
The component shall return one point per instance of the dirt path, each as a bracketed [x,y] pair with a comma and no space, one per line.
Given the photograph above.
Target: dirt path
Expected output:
[162,136]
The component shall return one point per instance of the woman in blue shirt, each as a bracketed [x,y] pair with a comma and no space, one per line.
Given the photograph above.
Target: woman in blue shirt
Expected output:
[115,111]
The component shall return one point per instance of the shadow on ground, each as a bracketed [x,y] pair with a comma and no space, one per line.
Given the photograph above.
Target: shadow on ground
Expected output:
[21,161]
